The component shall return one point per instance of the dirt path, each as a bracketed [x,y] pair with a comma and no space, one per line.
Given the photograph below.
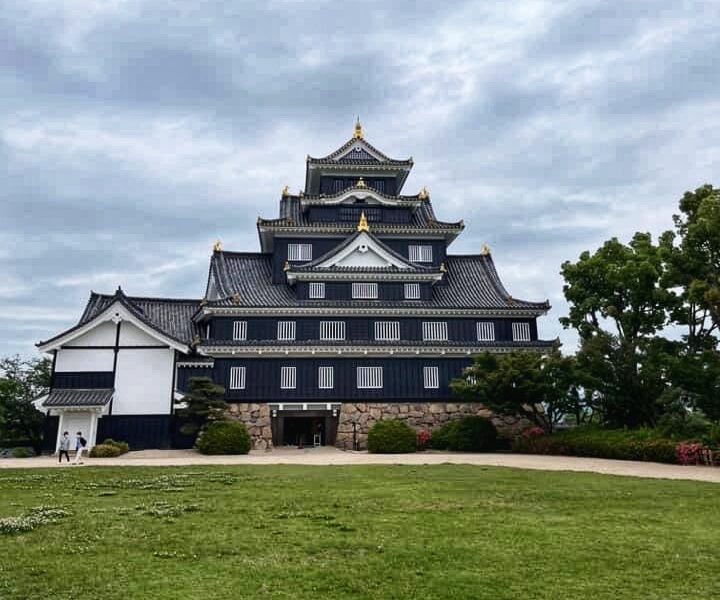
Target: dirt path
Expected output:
[331,456]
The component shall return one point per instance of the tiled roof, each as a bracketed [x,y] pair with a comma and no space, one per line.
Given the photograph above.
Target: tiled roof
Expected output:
[292,215]
[91,397]
[471,282]
[171,316]
[379,343]
[368,150]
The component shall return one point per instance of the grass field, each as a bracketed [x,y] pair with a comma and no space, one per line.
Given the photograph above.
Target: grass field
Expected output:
[373,532]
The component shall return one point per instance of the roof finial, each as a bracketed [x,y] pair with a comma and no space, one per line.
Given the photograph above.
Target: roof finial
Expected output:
[286,266]
[217,246]
[360,183]
[285,191]
[485,250]
[363,224]
[423,195]
[358,133]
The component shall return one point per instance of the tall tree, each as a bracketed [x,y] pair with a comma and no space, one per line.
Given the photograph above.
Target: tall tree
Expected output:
[617,304]
[21,381]
[203,402]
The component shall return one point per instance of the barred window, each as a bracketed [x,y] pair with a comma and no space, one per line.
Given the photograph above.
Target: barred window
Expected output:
[369,377]
[521,332]
[317,290]
[332,330]
[237,378]
[485,331]
[299,251]
[367,291]
[431,377]
[287,378]
[420,253]
[387,330]
[434,331]
[325,378]
[239,330]
[412,291]
[286,330]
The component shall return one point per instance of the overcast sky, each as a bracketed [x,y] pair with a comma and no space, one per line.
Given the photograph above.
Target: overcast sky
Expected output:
[134,133]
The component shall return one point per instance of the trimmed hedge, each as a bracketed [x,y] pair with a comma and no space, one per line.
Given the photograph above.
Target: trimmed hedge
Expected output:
[22,452]
[469,434]
[619,444]
[223,437]
[392,437]
[105,451]
[122,446]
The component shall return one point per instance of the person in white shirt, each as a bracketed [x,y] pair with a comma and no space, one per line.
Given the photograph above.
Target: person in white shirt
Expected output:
[80,443]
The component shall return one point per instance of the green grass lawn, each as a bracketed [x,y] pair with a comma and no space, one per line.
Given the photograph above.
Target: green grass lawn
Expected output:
[375,532]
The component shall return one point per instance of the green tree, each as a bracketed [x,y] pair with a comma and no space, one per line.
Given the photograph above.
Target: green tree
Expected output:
[205,401]
[618,305]
[21,381]
[541,388]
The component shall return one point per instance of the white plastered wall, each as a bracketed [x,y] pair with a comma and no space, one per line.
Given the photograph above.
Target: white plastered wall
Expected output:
[143,381]
[103,334]
[133,336]
[83,360]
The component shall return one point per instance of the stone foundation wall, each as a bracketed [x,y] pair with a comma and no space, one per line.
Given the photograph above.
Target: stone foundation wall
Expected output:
[257,420]
[421,415]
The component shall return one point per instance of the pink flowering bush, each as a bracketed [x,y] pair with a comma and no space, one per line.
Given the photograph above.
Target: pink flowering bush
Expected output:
[532,432]
[690,453]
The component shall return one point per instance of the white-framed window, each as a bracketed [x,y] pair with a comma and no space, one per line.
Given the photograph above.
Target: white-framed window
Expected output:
[431,377]
[332,330]
[418,253]
[434,331]
[369,377]
[486,331]
[286,330]
[299,252]
[317,290]
[521,332]
[237,378]
[325,378]
[287,378]
[367,291]
[412,291]
[387,330]
[239,330]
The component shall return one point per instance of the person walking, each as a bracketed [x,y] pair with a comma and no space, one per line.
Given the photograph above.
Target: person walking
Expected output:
[80,443]
[64,447]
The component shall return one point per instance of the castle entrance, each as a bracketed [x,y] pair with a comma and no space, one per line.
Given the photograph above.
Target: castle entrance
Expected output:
[304,425]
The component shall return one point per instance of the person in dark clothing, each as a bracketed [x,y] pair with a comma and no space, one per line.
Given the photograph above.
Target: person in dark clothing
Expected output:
[64,447]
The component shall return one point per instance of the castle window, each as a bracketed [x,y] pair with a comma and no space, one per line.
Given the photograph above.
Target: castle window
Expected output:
[412,291]
[366,291]
[287,378]
[237,378]
[332,330]
[300,252]
[485,331]
[369,377]
[317,290]
[387,330]
[286,330]
[420,253]
[431,377]
[239,330]
[521,332]
[325,378]
[434,331]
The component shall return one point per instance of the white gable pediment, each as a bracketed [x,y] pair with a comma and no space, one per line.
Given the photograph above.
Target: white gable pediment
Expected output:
[366,252]
[361,151]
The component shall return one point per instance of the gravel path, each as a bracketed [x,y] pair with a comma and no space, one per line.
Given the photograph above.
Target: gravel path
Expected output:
[332,456]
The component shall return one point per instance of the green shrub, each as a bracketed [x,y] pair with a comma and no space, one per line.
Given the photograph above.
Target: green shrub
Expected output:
[619,444]
[392,437]
[223,437]
[122,446]
[468,434]
[22,452]
[105,451]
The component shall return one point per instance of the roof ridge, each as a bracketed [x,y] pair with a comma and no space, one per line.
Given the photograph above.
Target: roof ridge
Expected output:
[141,298]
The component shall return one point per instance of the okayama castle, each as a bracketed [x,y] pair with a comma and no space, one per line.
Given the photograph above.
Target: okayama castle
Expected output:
[352,311]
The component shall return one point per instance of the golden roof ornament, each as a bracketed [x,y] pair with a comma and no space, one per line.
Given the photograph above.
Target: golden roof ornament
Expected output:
[286,266]
[235,298]
[358,133]
[217,246]
[443,268]
[285,191]
[485,250]
[423,195]
[360,183]
[203,302]
[363,224]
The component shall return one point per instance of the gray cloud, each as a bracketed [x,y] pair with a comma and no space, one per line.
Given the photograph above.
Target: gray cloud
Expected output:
[133,133]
